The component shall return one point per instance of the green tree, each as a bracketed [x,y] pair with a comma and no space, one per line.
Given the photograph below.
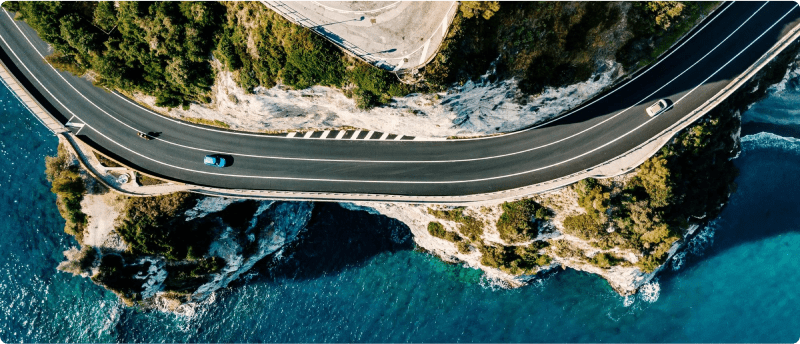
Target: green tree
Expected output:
[516,223]
[655,177]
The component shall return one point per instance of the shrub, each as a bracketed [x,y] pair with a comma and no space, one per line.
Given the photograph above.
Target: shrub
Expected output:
[65,63]
[516,224]
[484,9]
[78,261]
[592,198]
[583,226]
[649,263]
[563,248]
[463,247]
[515,260]
[605,260]
[69,188]
[663,12]
[468,226]
[655,178]
[436,229]
[161,49]
[150,226]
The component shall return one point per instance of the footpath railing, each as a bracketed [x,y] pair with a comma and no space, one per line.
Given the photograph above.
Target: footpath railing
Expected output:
[619,165]
[614,167]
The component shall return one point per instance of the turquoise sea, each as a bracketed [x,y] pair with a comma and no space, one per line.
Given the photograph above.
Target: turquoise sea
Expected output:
[350,281]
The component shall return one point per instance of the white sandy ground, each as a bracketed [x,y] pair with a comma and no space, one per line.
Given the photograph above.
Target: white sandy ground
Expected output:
[102,210]
[473,109]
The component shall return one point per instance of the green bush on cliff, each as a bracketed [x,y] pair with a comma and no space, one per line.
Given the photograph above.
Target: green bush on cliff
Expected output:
[517,224]
[593,198]
[690,177]
[605,260]
[515,260]
[583,226]
[185,278]
[262,48]
[468,226]
[436,229]
[151,225]
[69,188]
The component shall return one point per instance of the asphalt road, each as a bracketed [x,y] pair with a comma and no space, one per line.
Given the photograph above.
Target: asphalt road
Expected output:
[736,37]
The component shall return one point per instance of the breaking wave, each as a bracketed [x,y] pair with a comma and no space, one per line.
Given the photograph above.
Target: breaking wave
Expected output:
[650,291]
[770,140]
[703,240]
[780,105]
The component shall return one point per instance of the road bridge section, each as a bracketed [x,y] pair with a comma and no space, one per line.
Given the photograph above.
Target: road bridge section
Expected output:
[726,50]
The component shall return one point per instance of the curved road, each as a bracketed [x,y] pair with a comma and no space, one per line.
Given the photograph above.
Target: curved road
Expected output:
[725,46]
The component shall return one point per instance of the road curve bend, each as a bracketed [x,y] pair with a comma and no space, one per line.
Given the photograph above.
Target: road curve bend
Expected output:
[696,70]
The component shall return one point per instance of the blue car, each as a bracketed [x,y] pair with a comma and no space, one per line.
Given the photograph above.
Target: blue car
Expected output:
[215,160]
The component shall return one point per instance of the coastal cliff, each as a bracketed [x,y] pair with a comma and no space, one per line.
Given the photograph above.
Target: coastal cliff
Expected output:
[172,252]
[167,252]
[625,229]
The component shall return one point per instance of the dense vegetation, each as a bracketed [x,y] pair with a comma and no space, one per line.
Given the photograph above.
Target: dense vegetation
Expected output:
[468,226]
[69,187]
[118,273]
[656,25]
[689,178]
[151,226]
[555,43]
[165,49]
[515,260]
[436,229]
[518,221]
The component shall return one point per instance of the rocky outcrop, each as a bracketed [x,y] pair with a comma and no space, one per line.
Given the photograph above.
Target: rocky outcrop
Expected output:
[240,234]
[696,166]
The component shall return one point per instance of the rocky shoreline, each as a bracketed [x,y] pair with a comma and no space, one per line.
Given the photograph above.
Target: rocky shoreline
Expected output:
[243,232]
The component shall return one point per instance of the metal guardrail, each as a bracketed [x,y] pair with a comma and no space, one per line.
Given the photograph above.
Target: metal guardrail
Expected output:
[645,151]
[791,37]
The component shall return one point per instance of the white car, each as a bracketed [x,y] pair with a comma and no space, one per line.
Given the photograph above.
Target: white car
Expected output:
[657,108]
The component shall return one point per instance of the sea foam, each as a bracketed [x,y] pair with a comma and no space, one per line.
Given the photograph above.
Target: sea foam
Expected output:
[770,140]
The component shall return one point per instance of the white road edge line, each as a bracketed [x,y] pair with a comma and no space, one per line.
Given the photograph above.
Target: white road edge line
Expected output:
[356,134]
[476,138]
[439,182]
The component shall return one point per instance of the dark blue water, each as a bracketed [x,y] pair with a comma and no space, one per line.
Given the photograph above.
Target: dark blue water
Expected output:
[739,285]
